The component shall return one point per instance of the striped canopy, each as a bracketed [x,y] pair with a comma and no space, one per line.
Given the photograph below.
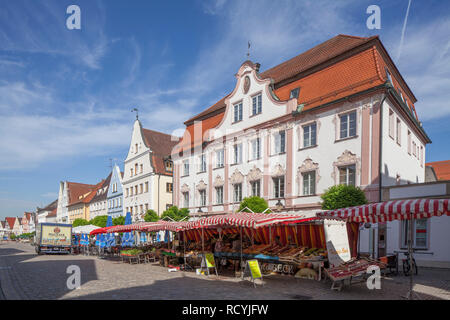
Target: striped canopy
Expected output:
[165,226]
[391,210]
[130,227]
[249,220]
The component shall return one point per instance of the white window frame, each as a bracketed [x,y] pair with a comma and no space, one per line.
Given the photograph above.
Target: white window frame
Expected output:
[347,174]
[252,187]
[186,199]
[220,157]
[404,234]
[202,163]
[257,104]
[219,195]
[185,167]
[237,192]
[278,192]
[237,153]
[256,148]
[308,133]
[347,128]
[237,112]
[202,197]
[311,189]
[279,143]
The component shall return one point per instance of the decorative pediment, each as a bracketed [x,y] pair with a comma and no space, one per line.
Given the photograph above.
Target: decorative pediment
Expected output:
[236,177]
[308,165]
[218,182]
[201,185]
[254,174]
[278,171]
[184,188]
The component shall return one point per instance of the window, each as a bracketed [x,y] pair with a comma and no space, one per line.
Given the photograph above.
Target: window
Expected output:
[421,156]
[146,187]
[202,198]
[256,149]
[169,165]
[256,105]
[278,187]
[169,187]
[131,172]
[237,153]
[238,112]
[127,191]
[203,163]
[409,142]
[220,158]
[347,175]
[309,135]
[414,148]
[348,125]
[142,168]
[135,189]
[186,199]
[388,75]
[136,148]
[280,141]
[309,183]
[399,131]
[131,191]
[237,194]
[256,188]
[186,167]
[141,188]
[391,123]
[294,93]
[420,233]
[135,169]
[219,195]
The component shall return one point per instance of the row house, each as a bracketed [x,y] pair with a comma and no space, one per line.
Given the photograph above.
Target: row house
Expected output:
[98,205]
[79,208]
[28,222]
[3,230]
[147,179]
[48,213]
[339,113]
[115,194]
[69,192]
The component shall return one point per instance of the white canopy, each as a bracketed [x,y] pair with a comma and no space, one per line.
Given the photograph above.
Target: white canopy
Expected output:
[84,229]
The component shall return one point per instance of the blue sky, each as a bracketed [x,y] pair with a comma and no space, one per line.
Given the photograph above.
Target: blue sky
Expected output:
[66,95]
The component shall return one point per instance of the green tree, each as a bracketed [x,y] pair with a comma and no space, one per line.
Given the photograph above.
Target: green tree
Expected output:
[12,236]
[99,221]
[151,216]
[119,221]
[342,196]
[175,213]
[79,222]
[255,204]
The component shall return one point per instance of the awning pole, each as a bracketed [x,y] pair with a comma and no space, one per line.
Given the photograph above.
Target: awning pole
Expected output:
[411,270]
[203,243]
[242,275]
[270,235]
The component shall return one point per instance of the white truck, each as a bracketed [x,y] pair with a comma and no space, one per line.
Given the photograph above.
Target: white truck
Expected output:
[53,238]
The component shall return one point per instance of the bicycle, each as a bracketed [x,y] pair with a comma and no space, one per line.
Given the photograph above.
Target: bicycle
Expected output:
[407,266]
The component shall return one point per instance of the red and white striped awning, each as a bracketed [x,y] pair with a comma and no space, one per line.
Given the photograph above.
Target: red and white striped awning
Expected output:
[130,227]
[165,225]
[391,210]
[248,220]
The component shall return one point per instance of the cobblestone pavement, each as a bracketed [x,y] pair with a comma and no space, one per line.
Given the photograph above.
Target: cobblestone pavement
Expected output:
[25,275]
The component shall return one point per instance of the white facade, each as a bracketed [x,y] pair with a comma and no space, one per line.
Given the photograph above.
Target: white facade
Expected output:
[62,213]
[356,149]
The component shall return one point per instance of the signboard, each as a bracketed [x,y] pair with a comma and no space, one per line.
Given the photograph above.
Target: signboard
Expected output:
[53,235]
[210,260]
[337,242]
[254,269]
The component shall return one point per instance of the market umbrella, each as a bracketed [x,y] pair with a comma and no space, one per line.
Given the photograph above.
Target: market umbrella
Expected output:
[109,222]
[409,209]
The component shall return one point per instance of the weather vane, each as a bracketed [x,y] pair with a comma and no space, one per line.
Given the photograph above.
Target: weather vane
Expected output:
[248,51]
[137,113]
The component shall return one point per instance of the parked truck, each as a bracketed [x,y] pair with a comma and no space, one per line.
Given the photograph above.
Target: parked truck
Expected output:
[53,238]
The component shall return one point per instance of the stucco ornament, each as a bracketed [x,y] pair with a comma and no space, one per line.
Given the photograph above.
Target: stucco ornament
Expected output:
[308,165]
[237,177]
[218,181]
[254,174]
[345,159]
[201,185]
[278,171]
[184,188]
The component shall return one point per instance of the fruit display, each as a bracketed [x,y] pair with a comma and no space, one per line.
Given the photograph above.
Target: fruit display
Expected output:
[131,252]
[352,268]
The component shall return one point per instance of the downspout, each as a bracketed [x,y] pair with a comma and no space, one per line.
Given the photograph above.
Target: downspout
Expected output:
[381,150]
[159,185]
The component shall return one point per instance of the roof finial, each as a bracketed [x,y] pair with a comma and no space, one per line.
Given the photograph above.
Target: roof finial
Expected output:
[248,51]
[137,113]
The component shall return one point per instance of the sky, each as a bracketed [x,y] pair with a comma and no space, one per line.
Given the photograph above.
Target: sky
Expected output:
[66,95]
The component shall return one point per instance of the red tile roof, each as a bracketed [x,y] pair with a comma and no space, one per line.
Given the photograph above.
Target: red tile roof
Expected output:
[52,214]
[441,168]
[75,190]
[102,196]
[3,224]
[161,145]
[11,221]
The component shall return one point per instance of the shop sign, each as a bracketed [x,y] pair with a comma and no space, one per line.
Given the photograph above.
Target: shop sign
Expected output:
[278,267]
[337,242]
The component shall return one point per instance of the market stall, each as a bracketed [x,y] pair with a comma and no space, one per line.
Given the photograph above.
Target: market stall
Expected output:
[409,209]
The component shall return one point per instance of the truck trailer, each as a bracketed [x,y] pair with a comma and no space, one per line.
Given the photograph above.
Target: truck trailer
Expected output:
[53,238]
